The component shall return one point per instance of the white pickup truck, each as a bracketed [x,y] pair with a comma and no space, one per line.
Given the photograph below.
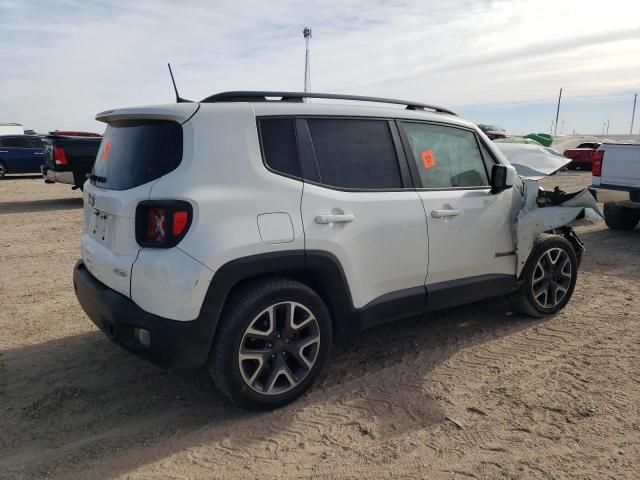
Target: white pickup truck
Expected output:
[616,183]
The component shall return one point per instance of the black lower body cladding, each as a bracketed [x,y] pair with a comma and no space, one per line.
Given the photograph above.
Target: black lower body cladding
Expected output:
[173,344]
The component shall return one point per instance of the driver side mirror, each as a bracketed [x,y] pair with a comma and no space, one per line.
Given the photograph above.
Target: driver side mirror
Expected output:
[501,178]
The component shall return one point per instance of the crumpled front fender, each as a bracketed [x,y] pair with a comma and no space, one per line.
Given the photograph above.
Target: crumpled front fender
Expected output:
[533,220]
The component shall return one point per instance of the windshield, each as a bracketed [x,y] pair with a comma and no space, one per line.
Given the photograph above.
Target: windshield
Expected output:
[135,152]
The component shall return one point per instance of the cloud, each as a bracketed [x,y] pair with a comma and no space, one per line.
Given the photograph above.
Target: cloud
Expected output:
[69,59]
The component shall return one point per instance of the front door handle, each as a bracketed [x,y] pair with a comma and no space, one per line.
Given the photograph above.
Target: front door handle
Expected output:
[328,218]
[38,153]
[452,212]
[4,151]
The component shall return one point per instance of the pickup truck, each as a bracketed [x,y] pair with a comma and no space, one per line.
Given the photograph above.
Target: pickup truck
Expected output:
[69,156]
[582,156]
[616,183]
[20,154]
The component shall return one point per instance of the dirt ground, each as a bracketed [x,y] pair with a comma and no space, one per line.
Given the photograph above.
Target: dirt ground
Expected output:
[472,392]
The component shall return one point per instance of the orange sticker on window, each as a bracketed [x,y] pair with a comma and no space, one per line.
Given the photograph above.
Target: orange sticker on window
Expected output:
[428,159]
[107,150]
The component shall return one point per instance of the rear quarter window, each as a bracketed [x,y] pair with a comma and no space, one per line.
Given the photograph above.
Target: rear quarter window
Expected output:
[136,152]
[279,146]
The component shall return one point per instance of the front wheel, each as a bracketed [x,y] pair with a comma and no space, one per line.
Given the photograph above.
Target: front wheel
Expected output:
[274,339]
[548,279]
[3,170]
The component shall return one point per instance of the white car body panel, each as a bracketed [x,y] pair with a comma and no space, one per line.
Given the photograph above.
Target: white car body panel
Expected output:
[169,283]
[477,241]
[532,161]
[108,240]
[620,166]
[382,250]
[225,176]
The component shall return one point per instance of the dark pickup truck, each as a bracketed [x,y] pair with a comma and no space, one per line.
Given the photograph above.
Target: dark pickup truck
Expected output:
[69,156]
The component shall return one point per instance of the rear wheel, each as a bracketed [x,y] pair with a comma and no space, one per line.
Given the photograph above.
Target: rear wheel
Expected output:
[548,279]
[621,218]
[3,170]
[274,339]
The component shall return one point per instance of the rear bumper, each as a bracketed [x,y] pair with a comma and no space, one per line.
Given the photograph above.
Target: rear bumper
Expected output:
[51,176]
[173,344]
[621,197]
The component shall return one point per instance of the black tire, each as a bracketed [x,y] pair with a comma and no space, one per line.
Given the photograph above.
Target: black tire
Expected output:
[3,170]
[621,218]
[243,309]
[525,299]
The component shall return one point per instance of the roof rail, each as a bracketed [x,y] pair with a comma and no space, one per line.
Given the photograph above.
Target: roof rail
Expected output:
[259,96]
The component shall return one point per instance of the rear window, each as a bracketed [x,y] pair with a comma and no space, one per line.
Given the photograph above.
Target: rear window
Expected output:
[136,152]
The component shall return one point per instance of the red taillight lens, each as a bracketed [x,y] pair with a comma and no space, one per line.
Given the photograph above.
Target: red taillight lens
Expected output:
[59,156]
[180,220]
[596,166]
[162,223]
[156,225]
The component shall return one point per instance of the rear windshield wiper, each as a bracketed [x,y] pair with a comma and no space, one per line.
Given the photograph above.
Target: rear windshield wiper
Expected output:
[97,178]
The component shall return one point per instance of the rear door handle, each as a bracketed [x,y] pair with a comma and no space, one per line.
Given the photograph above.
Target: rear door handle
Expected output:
[445,213]
[328,218]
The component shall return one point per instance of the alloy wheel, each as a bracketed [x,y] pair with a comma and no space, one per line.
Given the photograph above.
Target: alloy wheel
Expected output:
[552,278]
[279,348]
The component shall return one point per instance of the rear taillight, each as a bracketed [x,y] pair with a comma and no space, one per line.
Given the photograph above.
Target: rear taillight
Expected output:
[59,157]
[596,166]
[162,223]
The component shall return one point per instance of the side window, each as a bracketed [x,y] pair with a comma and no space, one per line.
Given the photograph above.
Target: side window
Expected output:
[355,153]
[36,142]
[279,148]
[488,157]
[16,142]
[446,157]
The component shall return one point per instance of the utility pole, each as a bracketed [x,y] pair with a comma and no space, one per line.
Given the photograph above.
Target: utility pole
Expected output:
[633,115]
[562,127]
[604,124]
[608,121]
[307,72]
[558,112]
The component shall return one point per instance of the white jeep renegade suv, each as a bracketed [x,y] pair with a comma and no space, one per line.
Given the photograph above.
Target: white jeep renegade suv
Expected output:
[246,232]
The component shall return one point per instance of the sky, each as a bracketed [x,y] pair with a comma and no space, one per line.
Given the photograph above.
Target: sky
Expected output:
[500,62]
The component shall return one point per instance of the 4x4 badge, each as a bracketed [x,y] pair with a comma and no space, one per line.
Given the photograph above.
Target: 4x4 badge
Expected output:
[91,200]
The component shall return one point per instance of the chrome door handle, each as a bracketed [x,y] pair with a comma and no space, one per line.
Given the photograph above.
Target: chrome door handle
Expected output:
[445,213]
[4,151]
[38,153]
[327,218]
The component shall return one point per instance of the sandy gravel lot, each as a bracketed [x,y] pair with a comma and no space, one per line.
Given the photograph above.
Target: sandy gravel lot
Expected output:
[473,392]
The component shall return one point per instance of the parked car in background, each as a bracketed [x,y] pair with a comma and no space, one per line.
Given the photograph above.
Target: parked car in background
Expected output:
[582,156]
[69,156]
[616,183]
[493,131]
[20,154]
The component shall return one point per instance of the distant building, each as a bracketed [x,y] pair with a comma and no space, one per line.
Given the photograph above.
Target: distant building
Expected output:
[11,129]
